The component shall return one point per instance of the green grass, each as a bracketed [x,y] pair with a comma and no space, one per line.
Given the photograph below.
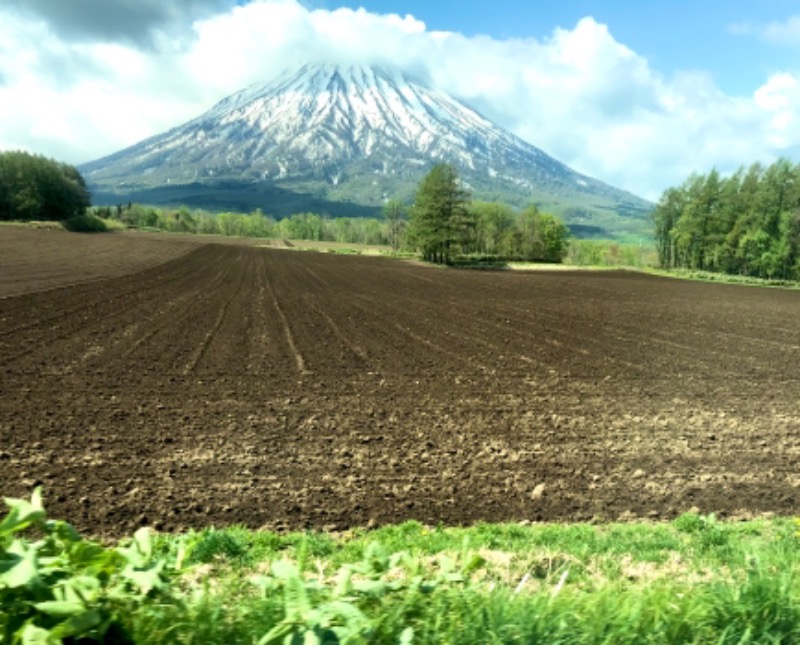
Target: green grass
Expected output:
[79,224]
[694,579]
[32,224]
[724,278]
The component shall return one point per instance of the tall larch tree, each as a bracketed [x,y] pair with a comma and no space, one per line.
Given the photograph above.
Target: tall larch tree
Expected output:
[440,218]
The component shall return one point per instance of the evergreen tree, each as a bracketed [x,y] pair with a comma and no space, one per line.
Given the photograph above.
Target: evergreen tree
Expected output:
[745,213]
[665,216]
[748,223]
[441,224]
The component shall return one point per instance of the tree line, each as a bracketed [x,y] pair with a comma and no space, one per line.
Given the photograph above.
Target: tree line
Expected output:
[442,224]
[34,187]
[300,226]
[746,224]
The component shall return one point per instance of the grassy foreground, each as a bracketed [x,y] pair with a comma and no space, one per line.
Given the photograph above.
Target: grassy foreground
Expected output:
[692,580]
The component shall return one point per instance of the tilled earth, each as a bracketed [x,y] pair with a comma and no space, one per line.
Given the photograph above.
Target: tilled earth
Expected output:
[222,384]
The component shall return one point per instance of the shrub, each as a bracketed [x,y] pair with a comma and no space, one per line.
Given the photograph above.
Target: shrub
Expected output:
[85,224]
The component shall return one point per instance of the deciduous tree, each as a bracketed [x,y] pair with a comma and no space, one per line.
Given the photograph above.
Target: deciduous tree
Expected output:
[33,187]
[394,212]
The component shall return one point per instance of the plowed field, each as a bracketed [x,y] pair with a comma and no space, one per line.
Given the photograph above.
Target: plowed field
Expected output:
[35,259]
[234,384]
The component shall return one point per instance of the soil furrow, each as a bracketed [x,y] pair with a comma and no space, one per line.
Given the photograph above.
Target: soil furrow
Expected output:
[274,388]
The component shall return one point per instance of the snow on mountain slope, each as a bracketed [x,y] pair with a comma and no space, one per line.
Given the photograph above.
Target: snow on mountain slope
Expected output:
[353,132]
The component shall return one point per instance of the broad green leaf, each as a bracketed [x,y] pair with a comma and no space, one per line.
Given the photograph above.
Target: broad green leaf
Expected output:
[139,552]
[143,540]
[265,583]
[22,513]
[351,614]
[93,557]
[375,558]
[284,569]
[85,589]
[296,601]
[473,564]
[446,564]
[63,531]
[343,584]
[452,577]
[184,553]
[277,633]
[371,587]
[407,637]
[311,638]
[401,558]
[78,625]
[61,607]
[30,634]
[19,568]
[145,579]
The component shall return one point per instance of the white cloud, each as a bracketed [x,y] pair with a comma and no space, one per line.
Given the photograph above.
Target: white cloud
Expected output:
[779,98]
[580,95]
[130,21]
[783,33]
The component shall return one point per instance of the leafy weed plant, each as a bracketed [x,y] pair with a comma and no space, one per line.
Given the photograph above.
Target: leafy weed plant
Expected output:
[57,585]
[696,579]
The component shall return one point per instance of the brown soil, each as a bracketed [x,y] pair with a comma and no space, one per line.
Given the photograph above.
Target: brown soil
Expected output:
[36,259]
[233,384]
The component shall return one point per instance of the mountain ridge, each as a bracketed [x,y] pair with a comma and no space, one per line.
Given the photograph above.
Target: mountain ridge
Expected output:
[359,135]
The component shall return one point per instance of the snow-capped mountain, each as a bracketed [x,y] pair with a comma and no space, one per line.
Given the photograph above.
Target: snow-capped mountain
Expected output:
[354,134]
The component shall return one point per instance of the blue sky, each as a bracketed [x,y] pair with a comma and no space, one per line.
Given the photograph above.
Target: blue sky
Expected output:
[673,35]
[636,94]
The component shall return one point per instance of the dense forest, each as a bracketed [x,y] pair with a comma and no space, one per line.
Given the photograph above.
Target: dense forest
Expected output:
[33,187]
[745,224]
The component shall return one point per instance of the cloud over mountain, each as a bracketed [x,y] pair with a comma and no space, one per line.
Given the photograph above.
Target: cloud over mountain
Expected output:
[81,84]
[350,134]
